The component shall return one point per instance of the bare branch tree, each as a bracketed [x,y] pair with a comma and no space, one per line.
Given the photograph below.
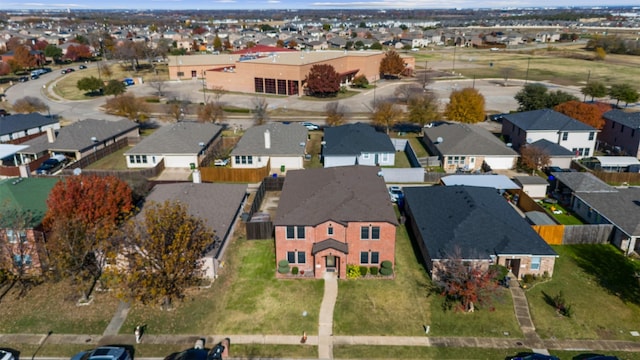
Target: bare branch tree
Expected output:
[335,114]
[158,85]
[260,106]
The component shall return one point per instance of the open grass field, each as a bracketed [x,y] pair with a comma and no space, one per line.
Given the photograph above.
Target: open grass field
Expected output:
[599,283]
[566,65]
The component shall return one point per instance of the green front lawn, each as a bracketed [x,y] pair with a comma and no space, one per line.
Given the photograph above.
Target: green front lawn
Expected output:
[599,283]
[245,299]
[114,161]
[383,306]
[418,352]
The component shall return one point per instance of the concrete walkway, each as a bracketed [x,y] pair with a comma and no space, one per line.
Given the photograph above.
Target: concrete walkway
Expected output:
[325,327]
[118,319]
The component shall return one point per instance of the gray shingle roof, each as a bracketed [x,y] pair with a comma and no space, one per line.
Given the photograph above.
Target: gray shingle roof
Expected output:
[179,138]
[583,182]
[628,119]
[215,204]
[621,207]
[285,140]
[552,148]
[530,180]
[546,119]
[341,194]
[77,136]
[13,123]
[474,221]
[330,244]
[355,139]
[464,139]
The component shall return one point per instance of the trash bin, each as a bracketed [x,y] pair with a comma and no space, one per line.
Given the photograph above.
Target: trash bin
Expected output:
[281,168]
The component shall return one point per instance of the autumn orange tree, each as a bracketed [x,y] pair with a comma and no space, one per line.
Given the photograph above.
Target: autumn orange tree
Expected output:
[83,215]
[165,248]
[534,158]
[465,284]
[391,64]
[386,114]
[466,105]
[24,58]
[589,114]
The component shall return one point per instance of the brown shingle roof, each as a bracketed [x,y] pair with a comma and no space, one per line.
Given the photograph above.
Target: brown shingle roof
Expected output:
[343,194]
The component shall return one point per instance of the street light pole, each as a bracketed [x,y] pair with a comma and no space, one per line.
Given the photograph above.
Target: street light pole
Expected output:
[526,78]
[453,70]
[204,89]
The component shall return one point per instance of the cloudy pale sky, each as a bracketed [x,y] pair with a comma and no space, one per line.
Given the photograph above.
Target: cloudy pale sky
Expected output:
[301,4]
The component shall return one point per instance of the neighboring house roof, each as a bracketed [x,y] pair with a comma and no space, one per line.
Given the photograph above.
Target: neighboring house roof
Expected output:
[621,207]
[582,182]
[13,123]
[500,182]
[79,135]
[355,139]
[24,195]
[342,194]
[471,222]
[530,180]
[7,150]
[629,119]
[285,140]
[546,119]
[613,161]
[552,148]
[200,198]
[180,138]
[465,139]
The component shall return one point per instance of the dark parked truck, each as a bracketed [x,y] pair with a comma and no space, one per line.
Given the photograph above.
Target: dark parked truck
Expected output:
[51,165]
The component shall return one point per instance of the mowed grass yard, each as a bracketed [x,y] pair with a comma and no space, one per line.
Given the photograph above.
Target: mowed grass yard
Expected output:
[401,307]
[245,299]
[599,283]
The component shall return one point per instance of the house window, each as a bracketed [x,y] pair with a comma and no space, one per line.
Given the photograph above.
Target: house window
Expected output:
[364,232]
[565,136]
[364,257]
[586,152]
[300,232]
[375,233]
[385,157]
[591,135]
[13,236]
[366,156]
[296,257]
[375,257]
[535,263]
[249,160]
[180,73]
[291,232]
[144,159]
[237,161]
[330,230]
[132,159]
[22,260]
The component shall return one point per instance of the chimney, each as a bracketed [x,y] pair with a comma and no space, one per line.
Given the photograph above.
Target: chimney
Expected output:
[51,135]
[267,139]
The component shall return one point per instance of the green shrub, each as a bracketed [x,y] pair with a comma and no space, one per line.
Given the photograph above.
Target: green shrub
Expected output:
[283,270]
[152,100]
[373,270]
[363,270]
[528,278]
[561,305]
[283,263]
[353,271]
[387,264]
[386,271]
[360,81]
[294,270]
[500,271]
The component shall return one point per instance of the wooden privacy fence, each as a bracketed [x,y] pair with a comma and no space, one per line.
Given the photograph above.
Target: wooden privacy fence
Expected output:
[258,225]
[574,234]
[228,174]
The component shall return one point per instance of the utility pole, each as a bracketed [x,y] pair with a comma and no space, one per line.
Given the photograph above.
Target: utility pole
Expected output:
[588,78]
[526,77]
[204,89]
[453,70]
[424,81]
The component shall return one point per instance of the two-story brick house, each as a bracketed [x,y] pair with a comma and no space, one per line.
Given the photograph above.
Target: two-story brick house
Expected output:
[333,217]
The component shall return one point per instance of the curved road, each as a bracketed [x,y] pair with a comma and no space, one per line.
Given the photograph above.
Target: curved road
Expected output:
[498,98]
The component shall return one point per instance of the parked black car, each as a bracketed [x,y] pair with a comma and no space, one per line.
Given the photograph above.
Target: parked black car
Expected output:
[23,79]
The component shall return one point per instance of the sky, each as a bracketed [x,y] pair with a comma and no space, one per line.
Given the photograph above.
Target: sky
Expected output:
[302,4]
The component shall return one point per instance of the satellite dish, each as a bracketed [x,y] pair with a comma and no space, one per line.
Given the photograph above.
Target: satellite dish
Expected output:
[77,171]
[94,139]
[529,140]
[509,144]
[302,144]
[439,140]
[201,144]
